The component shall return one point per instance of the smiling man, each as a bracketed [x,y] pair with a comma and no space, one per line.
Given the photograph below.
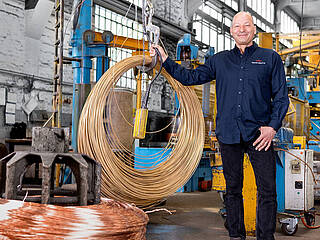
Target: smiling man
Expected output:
[252,101]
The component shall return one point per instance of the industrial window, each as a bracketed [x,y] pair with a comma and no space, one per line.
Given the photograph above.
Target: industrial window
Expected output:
[105,19]
[235,5]
[272,13]
[288,25]
[136,2]
[264,8]
[210,34]
[231,3]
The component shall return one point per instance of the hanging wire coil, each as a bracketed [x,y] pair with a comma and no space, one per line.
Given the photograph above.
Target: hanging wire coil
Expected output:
[122,180]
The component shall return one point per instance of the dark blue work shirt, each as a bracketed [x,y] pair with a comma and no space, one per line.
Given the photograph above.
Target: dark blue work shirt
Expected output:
[250,87]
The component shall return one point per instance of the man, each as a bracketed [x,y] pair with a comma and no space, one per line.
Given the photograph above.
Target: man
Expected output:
[252,101]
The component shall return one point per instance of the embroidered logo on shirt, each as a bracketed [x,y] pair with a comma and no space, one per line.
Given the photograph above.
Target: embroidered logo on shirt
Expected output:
[258,61]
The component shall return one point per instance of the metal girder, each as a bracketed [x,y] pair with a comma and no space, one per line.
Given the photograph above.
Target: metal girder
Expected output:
[120,41]
[212,20]
[314,38]
[297,55]
[307,64]
[303,33]
[223,8]
[296,49]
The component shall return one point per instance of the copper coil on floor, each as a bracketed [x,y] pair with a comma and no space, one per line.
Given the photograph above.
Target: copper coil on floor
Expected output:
[108,220]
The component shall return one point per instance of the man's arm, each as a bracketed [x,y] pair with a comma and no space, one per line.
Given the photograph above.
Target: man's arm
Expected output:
[279,105]
[202,74]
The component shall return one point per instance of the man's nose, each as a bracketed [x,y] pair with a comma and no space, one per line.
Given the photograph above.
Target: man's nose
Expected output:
[241,28]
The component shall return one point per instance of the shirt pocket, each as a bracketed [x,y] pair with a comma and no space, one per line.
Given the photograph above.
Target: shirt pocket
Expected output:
[258,70]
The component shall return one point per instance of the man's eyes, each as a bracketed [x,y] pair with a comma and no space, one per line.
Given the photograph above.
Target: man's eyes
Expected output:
[246,25]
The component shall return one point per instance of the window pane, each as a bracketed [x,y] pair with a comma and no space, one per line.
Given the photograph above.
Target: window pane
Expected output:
[213,38]
[227,22]
[227,43]
[272,13]
[205,34]
[254,5]
[197,27]
[220,43]
[119,25]
[235,5]
[228,2]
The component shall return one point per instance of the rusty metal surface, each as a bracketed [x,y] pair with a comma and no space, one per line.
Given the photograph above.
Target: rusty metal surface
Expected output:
[87,174]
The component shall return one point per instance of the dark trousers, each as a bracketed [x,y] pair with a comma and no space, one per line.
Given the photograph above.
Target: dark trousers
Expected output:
[264,167]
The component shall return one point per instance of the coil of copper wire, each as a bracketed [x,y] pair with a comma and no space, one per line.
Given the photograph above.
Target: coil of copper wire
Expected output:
[108,220]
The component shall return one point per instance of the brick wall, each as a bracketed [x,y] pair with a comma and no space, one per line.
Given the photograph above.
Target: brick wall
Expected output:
[26,61]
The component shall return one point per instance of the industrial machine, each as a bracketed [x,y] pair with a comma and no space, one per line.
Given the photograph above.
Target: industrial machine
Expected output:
[294,182]
[187,56]
[297,148]
[298,180]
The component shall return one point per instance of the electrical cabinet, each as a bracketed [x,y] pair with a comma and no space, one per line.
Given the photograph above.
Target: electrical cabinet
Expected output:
[299,192]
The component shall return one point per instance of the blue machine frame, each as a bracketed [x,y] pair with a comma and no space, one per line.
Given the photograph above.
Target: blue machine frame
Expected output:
[83,49]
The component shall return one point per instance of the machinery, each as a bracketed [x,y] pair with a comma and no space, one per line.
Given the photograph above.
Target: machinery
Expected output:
[187,56]
[294,181]
[296,142]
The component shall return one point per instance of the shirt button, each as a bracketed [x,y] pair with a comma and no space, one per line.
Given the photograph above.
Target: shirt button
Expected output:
[240,79]
[239,92]
[239,105]
[241,67]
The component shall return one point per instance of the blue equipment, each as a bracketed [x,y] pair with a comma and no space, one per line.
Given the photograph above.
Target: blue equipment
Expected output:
[84,48]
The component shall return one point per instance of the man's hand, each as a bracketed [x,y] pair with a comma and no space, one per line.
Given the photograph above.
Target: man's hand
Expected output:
[265,138]
[153,52]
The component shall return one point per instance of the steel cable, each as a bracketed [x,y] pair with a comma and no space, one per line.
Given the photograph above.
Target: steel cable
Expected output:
[123,177]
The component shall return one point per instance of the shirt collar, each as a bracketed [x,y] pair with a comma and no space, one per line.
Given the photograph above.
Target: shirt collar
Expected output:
[248,50]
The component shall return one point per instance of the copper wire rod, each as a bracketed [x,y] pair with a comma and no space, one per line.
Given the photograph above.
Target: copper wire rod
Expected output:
[121,180]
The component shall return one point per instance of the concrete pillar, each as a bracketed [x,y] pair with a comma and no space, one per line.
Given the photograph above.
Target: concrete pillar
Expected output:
[242,5]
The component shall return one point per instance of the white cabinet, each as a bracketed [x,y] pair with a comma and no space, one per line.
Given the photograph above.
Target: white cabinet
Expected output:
[299,192]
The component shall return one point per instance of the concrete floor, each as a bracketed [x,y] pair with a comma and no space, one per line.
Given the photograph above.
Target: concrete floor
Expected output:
[197,218]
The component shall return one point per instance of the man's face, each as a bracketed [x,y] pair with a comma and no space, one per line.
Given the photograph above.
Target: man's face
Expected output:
[243,29]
